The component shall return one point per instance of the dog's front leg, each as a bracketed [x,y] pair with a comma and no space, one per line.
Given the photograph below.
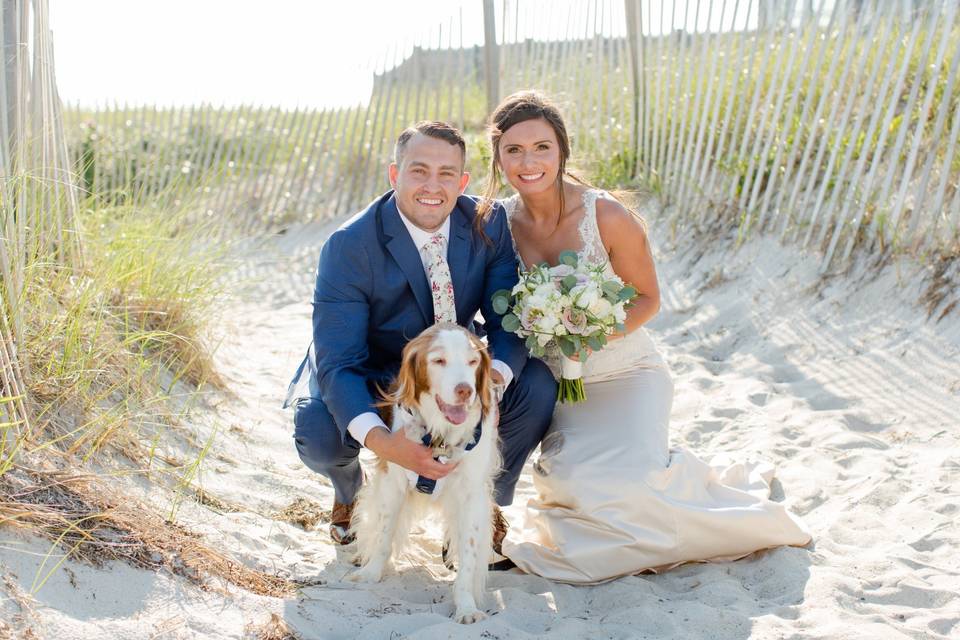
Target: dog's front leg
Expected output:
[474,539]
[375,537]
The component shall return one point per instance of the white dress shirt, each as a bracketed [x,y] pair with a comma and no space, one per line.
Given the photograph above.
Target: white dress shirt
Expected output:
[360,426]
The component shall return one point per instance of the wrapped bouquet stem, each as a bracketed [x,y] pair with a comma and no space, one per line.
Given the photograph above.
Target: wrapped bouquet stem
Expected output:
[571,381]
[573,306]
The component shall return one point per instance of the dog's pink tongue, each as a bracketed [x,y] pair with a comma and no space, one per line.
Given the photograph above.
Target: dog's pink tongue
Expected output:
[455,413]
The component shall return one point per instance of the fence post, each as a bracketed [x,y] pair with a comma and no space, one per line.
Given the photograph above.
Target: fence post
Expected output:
[491,56]
[632,8]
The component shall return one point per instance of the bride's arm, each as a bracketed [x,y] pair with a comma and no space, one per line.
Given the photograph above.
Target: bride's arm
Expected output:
[625,238]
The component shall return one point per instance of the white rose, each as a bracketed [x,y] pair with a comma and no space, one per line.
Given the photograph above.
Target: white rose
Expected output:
[585,297]
[536,302]
[543,339]
[546,323]
[601,307]
[619,313]
[545,290]
[577,291]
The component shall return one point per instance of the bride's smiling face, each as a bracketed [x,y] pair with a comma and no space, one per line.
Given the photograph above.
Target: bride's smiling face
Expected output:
[530,156]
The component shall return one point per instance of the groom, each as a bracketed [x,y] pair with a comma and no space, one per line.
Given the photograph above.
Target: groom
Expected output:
[374,293]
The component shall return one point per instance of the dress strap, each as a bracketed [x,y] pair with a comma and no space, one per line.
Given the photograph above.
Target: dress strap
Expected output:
[510,209]
[593,249]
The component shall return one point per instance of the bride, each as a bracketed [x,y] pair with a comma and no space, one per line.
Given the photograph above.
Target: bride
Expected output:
[613,499]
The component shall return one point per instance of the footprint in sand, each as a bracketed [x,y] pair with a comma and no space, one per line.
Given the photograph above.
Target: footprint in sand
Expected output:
[729,413]
[943,626]
[803,506]
[786,374]
[704,383]
[707,426]
[857,423]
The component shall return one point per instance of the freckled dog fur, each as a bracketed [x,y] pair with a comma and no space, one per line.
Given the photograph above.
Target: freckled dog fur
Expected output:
[438,368]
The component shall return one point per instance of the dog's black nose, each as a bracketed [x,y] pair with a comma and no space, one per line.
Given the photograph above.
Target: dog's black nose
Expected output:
[463,391]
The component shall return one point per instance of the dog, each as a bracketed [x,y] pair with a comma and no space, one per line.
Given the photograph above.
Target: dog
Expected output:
[444,397]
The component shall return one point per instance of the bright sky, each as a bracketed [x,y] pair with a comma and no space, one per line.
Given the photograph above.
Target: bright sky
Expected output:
[293,52]
[284,52]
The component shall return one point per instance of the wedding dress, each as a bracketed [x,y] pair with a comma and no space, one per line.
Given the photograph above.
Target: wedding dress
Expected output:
[612,498]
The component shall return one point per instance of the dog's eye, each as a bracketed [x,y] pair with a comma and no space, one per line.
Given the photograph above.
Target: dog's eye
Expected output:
[474,362]
[439,361]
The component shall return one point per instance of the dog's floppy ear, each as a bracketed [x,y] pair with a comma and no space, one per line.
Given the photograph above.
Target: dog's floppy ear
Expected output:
[484,382]
[412,377]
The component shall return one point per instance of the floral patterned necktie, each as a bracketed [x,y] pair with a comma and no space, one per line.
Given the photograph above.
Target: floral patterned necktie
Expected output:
[438,272]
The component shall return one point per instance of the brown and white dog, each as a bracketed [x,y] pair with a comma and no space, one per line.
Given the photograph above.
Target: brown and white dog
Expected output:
[443,391]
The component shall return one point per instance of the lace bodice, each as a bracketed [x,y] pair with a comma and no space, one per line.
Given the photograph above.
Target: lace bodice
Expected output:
[591,249]
[621,356]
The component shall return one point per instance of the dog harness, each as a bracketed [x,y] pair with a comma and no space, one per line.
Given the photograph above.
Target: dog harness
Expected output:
[427,485]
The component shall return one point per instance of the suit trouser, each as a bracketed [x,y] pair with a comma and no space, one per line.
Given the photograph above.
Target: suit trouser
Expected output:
[525,414]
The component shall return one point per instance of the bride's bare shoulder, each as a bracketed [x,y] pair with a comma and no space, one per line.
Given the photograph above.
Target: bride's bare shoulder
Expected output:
[616,220]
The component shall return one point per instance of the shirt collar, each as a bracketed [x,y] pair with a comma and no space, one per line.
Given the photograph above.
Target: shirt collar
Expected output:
[421,237]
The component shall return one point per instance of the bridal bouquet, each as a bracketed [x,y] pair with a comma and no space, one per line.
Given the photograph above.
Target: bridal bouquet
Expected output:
[574,306]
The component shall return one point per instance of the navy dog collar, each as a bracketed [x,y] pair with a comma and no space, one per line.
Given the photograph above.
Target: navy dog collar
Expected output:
[427,485]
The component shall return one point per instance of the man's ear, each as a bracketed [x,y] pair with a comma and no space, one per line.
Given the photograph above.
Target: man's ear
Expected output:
[392,172]
[464,181]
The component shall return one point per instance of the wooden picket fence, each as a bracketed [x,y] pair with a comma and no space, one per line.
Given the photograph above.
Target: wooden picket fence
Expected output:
[833,127]
[842,136]
[38,204]
[833,124]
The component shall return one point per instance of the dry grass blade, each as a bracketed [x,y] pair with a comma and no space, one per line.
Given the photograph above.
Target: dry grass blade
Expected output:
[97,525]
[303,513]
[276,628]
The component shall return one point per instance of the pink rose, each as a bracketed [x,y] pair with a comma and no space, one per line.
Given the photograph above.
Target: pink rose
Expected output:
[575,321]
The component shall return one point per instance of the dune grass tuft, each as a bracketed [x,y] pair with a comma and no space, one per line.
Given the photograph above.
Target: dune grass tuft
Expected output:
[96,524]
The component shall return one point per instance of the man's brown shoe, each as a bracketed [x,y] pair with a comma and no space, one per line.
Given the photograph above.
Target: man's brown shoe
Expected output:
[340,523]
[500,526]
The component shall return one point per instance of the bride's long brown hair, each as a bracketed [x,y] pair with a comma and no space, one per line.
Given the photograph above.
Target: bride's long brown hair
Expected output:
[517,108]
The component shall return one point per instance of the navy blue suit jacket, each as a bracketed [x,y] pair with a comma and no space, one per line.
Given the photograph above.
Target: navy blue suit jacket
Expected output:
[372,296]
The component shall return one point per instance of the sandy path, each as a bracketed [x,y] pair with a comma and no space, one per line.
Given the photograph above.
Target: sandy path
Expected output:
[841,382]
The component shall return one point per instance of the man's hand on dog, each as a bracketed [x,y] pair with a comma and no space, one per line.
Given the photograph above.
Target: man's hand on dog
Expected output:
[397,448]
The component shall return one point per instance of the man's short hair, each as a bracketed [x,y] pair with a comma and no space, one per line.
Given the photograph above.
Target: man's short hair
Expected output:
[434,129]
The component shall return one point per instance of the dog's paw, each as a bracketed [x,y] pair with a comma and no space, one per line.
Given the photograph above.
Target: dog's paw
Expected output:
[365,575]
[468,616]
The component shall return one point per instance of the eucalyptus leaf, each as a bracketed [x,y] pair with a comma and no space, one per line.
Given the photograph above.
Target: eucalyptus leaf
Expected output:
[568,258]
[532,343]
[627,293]
[612,287]
[501,304]
[569,283]
[510,323]
[566,346]
[594,343]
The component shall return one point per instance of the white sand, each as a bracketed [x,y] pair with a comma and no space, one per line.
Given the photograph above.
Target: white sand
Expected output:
[842,383]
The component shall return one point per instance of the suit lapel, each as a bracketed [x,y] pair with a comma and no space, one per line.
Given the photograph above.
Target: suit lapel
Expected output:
[401,247]
[458,254]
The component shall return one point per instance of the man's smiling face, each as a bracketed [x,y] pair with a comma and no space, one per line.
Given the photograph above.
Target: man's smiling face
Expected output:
[428,180]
